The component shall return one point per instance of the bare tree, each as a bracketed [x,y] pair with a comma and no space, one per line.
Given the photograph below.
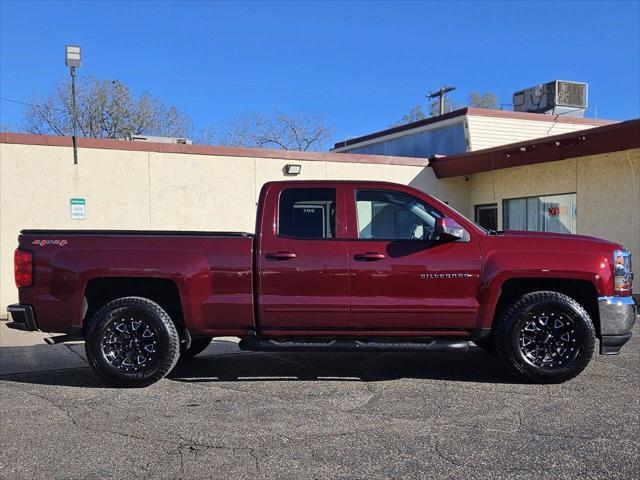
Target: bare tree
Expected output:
[279,130]
[415,114]
[434,106]
[105,109]
[418,113]
[484,100]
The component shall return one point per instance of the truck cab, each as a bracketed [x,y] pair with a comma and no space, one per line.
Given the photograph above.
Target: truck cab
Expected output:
[364,257]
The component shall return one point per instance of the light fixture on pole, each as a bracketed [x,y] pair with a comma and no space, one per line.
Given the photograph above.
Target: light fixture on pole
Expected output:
[72,60]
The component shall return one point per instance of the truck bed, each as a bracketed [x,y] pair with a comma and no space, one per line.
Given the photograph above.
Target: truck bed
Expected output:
[212,272]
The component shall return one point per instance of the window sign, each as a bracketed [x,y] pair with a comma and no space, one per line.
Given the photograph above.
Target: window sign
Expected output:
[78,209]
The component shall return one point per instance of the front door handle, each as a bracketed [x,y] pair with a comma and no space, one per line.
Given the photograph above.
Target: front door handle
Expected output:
[280,256]
[369,256]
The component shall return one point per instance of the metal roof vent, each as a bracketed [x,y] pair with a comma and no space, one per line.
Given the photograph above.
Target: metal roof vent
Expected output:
[558,97]
[151,138]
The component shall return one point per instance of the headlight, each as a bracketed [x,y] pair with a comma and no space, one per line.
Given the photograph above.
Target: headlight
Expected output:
[622,272]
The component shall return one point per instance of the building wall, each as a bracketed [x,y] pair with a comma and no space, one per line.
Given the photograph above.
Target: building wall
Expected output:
[607,187]
[150,190]
[493,131]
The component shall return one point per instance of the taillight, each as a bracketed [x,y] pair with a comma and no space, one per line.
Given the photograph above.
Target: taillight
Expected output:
[23,268]
[622,271]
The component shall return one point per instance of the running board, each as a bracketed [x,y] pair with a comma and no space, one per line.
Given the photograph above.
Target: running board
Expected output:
[354,345]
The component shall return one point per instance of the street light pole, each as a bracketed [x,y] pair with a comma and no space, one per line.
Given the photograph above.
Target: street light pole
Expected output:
[74,118]
[72,60]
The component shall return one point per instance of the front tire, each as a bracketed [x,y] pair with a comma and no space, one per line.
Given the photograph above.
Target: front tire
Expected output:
[545,337]
[132,342]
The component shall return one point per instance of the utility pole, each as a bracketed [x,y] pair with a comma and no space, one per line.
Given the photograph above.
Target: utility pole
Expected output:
[72,60]
[440,94]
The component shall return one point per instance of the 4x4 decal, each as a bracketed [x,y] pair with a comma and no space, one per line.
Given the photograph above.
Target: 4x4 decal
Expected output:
[42,243]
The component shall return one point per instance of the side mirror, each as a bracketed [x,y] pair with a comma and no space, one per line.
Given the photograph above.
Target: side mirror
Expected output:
[448,229]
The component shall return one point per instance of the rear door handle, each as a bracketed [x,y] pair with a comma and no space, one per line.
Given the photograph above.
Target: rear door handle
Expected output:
[280,256]
[369,256]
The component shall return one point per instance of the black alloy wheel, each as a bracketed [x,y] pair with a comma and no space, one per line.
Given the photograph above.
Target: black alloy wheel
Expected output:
[548,339]
[545,337]
[131,344]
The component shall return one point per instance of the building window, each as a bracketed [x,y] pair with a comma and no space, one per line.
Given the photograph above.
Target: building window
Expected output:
[487,216]
[551,213]
[307,213]
[387,215]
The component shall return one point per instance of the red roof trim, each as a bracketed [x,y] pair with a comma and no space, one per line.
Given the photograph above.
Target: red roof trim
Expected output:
[482,112]
[109,144]
[594,141]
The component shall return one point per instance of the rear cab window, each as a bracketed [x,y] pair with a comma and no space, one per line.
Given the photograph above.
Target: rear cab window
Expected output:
[307,213]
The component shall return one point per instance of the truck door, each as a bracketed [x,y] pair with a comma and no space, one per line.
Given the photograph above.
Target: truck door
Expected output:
[302,260]
[402,277]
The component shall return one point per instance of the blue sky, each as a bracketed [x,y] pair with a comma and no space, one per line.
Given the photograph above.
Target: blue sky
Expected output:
[361,65]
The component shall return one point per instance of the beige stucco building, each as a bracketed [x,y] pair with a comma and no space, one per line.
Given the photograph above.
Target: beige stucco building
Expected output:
[137,185]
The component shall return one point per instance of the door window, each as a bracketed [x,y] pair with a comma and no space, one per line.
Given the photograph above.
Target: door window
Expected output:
[388,215]
[307,213]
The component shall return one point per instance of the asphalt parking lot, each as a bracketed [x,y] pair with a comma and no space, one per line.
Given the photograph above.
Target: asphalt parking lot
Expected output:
[230,414]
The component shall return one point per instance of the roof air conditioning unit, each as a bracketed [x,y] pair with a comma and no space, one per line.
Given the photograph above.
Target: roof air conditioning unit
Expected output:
[151,138]
[554,98]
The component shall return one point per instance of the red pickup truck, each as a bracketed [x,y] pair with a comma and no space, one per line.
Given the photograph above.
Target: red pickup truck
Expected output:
[333,266]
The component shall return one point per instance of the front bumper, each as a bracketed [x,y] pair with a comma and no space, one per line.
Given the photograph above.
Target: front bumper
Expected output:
[617,316]
[21,317]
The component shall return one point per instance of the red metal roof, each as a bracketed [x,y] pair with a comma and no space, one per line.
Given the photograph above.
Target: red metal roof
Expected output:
[609,138]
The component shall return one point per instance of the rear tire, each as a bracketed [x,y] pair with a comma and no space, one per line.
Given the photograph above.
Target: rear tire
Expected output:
[545,337]
[198,345]
[132,342]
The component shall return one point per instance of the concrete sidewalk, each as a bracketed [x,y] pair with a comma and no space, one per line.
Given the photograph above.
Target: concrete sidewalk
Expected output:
[25,352]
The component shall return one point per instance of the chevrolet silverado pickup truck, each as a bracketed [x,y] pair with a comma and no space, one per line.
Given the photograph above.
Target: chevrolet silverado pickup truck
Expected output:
[333,266]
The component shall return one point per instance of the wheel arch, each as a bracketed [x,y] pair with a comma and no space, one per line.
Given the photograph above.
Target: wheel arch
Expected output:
[101,290]
[582,291]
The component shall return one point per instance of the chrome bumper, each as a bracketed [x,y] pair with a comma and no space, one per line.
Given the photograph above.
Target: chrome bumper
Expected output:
[617,316]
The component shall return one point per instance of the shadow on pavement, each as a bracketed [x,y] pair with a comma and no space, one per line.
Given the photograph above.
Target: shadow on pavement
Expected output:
[223,362]
[472,366]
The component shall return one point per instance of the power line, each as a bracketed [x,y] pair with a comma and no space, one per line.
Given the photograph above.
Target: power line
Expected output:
[29,104]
